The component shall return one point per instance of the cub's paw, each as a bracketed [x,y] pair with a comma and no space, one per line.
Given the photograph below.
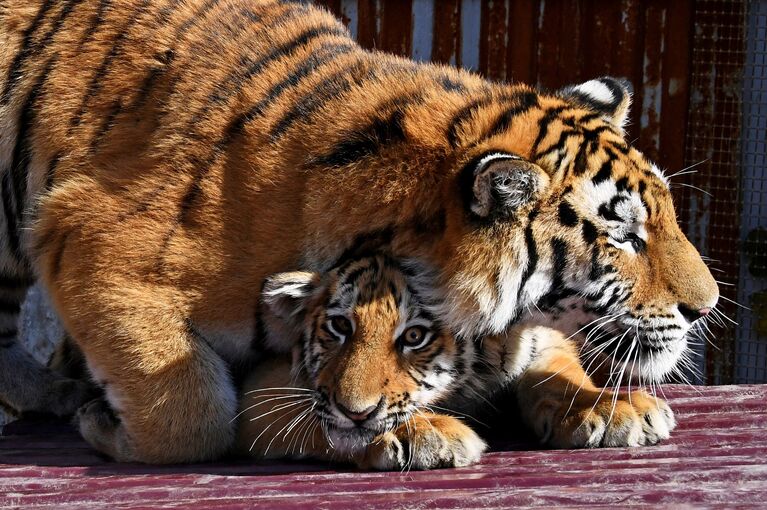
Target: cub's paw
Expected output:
[427,441]
[66,396]
[593,421]
[103,430]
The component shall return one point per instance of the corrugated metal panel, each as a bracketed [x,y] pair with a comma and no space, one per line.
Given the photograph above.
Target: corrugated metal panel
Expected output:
[684,58]
[716,457]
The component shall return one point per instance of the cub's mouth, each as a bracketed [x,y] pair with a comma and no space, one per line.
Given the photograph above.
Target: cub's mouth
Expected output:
[345,433]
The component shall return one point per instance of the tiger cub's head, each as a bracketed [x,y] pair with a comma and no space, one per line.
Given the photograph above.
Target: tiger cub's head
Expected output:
[367,342]
[555,217]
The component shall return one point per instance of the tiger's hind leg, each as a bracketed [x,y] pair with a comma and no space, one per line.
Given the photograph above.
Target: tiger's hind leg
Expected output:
[26,385]
[560,402]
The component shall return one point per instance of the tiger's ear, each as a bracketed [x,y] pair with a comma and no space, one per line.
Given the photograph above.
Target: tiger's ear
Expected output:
[286,293]
[497,185]
[608,96]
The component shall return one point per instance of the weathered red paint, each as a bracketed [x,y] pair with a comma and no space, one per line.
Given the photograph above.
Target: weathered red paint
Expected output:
[716,456]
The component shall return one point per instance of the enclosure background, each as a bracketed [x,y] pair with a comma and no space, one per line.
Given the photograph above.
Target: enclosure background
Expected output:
[700,101]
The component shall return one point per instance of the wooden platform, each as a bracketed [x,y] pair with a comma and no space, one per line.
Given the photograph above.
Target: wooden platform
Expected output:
[717,456]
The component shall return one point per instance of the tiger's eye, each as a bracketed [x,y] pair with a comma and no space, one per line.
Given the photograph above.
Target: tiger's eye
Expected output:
[414,336]
[341,325]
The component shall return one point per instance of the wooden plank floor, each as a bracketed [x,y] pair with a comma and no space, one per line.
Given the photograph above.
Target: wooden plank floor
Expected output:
[717,457]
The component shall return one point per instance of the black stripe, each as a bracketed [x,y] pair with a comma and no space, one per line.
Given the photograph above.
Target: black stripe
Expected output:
[543,126]
[366,142]
[184,27]
[58,256]
[50,173]
[167,57]
[97,20]
[590,232]
[567,215]
[9,334]
[15,178]
[605,172]
[596,271]
[328,89]
[559,251]
[106,124]
[557,289]
[26,50]
[65,12]
[322,56]
[236,126]
[532,253]
[557,146]
[525,102]
[451,84]
[235,80]
[463,115]
[366,244]
[607,210]
[149,81]
[623,184]
[95,84]
[12,233]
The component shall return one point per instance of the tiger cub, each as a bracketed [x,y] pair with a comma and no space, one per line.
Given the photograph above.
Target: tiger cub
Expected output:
[370,358]
[373,369]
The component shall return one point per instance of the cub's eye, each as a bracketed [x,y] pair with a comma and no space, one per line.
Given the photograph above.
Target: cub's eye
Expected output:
[340,326]
[637,243]
[415,337]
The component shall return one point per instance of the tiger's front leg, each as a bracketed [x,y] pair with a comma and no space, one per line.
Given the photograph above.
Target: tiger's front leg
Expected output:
[277,421]
[560,402]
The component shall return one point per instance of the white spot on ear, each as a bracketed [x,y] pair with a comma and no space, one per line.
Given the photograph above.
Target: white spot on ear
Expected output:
[596,90]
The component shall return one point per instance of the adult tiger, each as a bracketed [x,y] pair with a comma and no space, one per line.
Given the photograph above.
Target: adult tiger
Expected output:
[160,158]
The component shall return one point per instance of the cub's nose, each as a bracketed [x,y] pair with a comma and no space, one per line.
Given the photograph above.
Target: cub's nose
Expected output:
[359,416]
[693,314]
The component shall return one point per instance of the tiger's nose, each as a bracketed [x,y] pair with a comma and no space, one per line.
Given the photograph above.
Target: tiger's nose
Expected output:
[691,314]
[359,416]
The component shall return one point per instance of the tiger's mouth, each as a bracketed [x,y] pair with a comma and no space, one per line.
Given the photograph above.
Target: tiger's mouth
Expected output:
[630,350]
[346,436]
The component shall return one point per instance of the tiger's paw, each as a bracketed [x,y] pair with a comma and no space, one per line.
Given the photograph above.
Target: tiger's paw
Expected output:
[103,430]
[592,421]
[428,441]
[66,396]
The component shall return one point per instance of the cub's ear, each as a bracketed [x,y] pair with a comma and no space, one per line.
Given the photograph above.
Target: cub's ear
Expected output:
[285,294]
[610,97]
[497,185]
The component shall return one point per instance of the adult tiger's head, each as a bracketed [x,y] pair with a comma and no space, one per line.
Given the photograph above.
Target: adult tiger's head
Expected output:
[553,211]
[369,344]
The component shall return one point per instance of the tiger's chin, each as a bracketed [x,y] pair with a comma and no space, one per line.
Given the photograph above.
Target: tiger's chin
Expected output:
[638,360]
[351,439]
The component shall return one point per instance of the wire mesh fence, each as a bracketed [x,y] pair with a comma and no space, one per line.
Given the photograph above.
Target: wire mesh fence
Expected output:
[751,346]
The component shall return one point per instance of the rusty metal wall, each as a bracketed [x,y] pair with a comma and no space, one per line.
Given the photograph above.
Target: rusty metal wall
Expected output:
[685,59]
